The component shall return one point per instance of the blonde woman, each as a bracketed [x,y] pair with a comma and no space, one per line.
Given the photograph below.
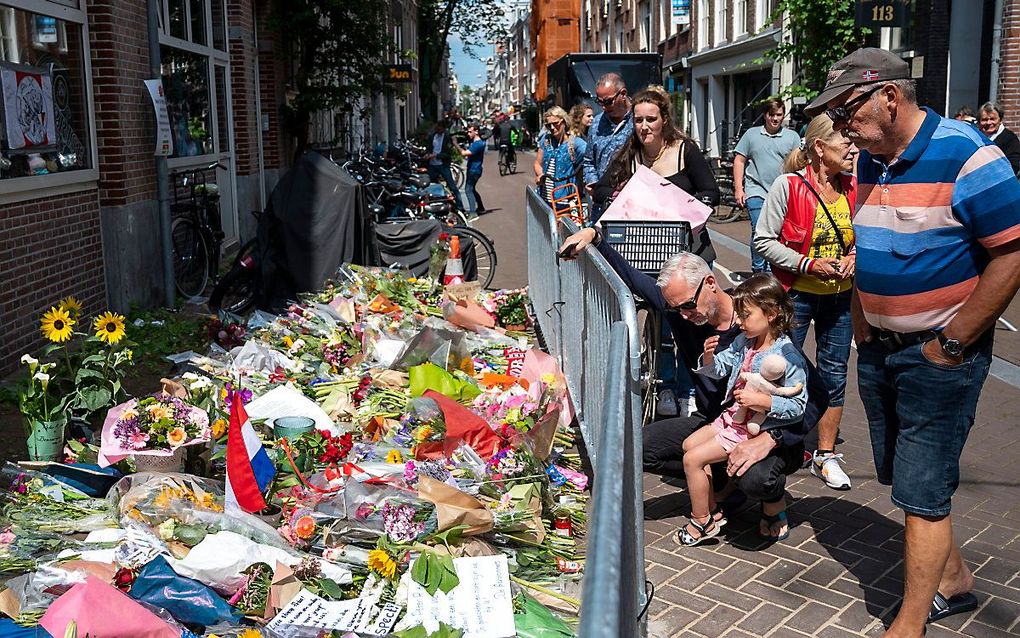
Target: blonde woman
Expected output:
[806,233]
[559,157]
[582,116]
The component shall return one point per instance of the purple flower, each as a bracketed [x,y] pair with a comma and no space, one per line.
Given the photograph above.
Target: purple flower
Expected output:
[399,523]
[244,393]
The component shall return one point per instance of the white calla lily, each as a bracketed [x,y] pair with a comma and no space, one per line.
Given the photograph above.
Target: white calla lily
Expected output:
[43,379]
[31,362]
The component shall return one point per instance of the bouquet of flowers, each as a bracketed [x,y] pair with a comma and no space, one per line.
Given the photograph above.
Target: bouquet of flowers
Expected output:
[158,425]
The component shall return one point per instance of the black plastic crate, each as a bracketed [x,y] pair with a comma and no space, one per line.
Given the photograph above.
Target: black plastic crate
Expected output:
[647,245]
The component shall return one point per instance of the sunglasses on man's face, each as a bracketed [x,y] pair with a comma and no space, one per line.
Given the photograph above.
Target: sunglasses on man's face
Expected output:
[846,111]
[690,304]
[609,101]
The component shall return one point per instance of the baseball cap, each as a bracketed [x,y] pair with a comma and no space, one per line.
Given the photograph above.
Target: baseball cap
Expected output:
[863,66]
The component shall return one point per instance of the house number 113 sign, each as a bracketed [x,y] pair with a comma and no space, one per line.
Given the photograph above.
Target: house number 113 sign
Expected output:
[876,14]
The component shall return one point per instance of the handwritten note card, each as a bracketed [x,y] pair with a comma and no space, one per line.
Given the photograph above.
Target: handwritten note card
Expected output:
[480,604]
[308,610]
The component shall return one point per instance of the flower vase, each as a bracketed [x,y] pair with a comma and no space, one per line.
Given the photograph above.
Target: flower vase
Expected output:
[165,464]
[46,440]
[271,515]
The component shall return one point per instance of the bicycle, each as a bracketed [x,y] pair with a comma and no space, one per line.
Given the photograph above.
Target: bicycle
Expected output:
[507,160]
[196,232]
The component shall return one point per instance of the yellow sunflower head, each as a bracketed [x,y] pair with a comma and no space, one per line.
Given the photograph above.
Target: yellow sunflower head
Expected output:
[109,327]
[71,305]
[56,325]
[381,563]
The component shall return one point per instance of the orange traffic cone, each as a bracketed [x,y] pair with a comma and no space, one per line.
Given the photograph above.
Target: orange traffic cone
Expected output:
[454,266]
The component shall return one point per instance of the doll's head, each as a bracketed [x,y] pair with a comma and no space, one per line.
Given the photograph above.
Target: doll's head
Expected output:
[773,367]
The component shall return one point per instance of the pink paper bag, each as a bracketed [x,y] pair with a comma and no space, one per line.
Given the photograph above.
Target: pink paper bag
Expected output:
[650,197]
[103,610]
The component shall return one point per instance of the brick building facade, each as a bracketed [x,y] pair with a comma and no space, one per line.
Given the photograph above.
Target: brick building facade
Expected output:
[554,33]
[78,213]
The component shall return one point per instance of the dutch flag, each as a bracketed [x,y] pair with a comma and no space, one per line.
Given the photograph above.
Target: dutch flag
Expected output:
[249,469]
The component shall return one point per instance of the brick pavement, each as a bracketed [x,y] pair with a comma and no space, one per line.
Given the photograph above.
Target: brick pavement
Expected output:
[839,574]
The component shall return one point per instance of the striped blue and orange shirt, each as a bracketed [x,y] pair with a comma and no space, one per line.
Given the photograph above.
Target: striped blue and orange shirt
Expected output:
[924,224]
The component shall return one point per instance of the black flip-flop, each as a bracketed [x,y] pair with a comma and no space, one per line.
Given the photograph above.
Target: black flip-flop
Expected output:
[943,607]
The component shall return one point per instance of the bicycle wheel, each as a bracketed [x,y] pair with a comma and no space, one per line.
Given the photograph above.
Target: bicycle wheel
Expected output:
[648,322]
[459,178]
[502,167]
[191,257]
[235,292]
[485,253]
[512,166]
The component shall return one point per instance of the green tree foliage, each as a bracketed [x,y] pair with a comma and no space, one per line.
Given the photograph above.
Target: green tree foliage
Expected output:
[336,50]
[476,22]
[817,33]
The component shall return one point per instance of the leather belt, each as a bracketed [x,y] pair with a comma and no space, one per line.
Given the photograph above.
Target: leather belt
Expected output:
[894,341]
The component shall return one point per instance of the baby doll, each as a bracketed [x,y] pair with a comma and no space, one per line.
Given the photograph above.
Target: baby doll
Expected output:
[773,369]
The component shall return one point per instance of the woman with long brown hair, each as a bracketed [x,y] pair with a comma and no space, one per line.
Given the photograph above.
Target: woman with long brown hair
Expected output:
[660,146]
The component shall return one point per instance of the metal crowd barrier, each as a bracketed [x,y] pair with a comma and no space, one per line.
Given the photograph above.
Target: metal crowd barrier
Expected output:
[587,317]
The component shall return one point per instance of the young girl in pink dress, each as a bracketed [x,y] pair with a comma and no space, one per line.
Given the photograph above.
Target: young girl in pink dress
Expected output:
[764,312]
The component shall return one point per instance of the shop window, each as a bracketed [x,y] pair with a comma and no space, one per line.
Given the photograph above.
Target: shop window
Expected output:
[186,84]
[45,121]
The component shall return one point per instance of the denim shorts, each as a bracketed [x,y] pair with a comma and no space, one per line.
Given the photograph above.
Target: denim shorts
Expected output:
[920,414]
[833,334]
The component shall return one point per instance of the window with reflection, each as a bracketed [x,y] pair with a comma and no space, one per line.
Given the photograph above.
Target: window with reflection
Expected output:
[45,125]
[186,85]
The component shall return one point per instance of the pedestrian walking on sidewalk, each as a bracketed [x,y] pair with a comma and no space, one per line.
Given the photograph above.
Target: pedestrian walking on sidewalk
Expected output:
[764,312]
[559,157]
[757,162]
[938,259]
[475,153]
[805,232]
[440,158]
[609,131]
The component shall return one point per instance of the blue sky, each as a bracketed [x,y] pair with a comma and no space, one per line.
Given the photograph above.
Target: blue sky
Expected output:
[465,67]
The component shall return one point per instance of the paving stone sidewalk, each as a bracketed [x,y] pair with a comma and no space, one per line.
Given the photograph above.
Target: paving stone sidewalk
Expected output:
[840,573]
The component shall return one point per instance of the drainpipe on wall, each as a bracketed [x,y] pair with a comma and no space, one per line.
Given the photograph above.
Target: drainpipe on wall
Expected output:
[993,83]
[162,179]
[258,108]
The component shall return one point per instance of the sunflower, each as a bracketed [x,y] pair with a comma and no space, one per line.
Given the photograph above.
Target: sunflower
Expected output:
[219,428]
[250,633]
[56,325]
[71,305]
[109,327]
[381,563]
[394,457]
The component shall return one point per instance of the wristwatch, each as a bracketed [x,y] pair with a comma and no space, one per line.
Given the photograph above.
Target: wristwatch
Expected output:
[952,347]
[776,434]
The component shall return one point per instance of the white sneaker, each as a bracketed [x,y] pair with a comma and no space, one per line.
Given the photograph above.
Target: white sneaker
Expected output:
[826,467]
[667,403]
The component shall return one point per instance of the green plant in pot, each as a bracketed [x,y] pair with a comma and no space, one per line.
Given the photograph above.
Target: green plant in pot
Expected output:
[45,413]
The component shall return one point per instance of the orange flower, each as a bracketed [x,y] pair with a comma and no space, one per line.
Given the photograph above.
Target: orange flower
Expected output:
[304,527]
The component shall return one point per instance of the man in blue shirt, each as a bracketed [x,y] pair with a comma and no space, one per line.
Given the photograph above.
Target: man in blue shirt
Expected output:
[609,130]
[475,154]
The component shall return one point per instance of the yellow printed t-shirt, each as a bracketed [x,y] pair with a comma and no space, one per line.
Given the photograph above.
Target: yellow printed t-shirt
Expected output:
[824,245]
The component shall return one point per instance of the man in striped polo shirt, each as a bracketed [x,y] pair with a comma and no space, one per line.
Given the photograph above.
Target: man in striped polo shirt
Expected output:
[938,260]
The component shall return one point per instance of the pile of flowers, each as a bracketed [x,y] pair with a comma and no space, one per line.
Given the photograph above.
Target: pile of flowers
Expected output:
[160,422]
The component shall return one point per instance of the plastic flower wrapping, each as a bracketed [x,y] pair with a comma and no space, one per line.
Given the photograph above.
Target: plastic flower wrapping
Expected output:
[431,444]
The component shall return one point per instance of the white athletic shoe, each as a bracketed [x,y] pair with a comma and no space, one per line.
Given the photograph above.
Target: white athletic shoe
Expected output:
[826,467]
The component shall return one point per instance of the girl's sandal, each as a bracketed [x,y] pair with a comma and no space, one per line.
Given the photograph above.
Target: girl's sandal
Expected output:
[707,530]
[772,519]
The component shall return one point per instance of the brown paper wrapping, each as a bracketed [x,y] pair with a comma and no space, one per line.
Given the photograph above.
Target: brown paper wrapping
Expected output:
[283,588]
[454,507]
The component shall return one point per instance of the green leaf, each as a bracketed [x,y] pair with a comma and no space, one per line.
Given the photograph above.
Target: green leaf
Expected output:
[448,579]
[329,589]
[420,571]
[190,535]
[413,632]
[451,536]
[87,373]
[97,398]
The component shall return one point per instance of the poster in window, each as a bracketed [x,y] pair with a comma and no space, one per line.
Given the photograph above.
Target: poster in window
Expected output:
[28,106]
